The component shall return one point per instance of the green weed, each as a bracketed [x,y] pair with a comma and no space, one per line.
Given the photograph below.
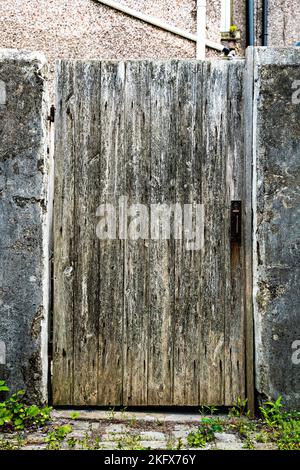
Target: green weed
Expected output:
[204,434]
[239,408]
[55,438]
[16,415]
[283,426]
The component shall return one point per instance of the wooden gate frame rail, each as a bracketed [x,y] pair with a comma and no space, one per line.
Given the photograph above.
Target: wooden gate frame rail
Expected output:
[247,235]
[248,228]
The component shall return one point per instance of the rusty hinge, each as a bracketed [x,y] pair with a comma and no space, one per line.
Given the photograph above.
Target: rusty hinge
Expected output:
[51,116]
[236,222]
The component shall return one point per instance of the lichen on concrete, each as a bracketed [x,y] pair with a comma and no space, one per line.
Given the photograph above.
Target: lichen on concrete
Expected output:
[23,221]
[276,222]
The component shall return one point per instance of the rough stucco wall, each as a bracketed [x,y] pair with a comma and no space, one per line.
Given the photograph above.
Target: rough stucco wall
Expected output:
[23,221]
[239,20]
[284,22]
[277,223]
[85,29]
[213,10]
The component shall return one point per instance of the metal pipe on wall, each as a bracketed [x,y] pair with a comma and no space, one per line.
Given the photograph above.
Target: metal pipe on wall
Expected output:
[201,29]
[250,22]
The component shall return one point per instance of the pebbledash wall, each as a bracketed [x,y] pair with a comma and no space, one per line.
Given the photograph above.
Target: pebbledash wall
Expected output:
[272,129]
[87,29]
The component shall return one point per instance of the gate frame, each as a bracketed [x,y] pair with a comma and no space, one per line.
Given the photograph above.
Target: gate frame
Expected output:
[247,240]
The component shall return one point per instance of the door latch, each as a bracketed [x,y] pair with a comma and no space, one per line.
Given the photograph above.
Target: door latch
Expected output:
[236,222]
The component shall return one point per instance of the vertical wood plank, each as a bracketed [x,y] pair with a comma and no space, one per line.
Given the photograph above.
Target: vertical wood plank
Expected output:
[111,262]
[187,263]
[86,193]
[234,313]
[136,262]
[247,229]
[64,237]
[213,193]
[161,262]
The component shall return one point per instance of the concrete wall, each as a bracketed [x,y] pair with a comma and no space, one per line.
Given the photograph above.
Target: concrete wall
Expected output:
[23,222]
[276,237]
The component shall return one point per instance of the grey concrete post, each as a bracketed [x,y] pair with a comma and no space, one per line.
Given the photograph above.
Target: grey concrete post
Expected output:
[24,222]
[276,220]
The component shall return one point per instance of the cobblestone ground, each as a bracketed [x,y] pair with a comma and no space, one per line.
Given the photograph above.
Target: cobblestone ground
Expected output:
[129,430]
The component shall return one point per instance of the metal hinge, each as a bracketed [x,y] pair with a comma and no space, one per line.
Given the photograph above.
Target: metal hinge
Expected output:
[51,116]
[236,222]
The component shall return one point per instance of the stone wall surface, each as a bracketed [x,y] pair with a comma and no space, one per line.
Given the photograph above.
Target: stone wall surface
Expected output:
[276,203]
[23,222]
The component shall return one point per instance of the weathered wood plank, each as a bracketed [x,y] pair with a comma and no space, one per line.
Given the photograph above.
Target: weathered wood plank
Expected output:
[187,262]
[234,253]
[86,193]
[111,262]
[64,238]
[136,262]
[161,252]
[247,229]
[214,199]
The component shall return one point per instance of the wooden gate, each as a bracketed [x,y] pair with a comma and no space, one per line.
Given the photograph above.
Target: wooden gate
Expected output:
[148,322]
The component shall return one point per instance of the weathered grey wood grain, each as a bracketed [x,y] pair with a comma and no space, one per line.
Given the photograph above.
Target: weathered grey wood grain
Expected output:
[248,227]
[235,380]
[161,252]
[136,260]
[64,238]
[111,263]
[213,261]
[148,322]
[86,255]
[188,159]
